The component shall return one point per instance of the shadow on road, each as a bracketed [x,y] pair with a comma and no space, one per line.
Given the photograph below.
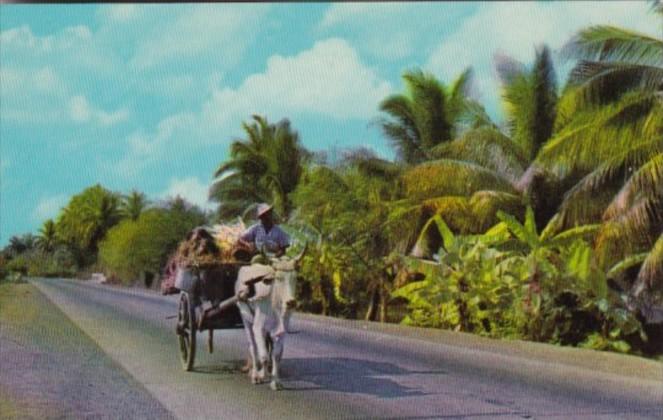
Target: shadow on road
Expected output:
[224,368]
[355,376]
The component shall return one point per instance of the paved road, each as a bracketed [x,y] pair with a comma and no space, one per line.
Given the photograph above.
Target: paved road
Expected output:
[343,369]
[50,369]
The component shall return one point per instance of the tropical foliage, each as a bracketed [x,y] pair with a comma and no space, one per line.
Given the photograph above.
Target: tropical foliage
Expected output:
[133,204]
[134,247]
[511,282]
[84,221]
[611,128]
[428,114]
[264,167]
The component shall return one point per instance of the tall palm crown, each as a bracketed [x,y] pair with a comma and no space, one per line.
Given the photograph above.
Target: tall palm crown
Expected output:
[427,114]
[133,205]
[611,127]
[47,238]
[530,99]
[87,217]
[264,167]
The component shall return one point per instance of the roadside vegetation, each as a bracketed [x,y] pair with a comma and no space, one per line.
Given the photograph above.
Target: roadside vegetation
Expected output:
[546,226]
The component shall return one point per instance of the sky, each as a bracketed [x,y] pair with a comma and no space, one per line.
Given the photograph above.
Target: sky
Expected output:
[149,97]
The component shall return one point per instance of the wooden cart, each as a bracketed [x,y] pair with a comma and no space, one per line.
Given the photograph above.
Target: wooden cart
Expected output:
[214,288]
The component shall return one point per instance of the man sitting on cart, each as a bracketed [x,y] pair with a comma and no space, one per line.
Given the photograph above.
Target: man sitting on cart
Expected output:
[266,235]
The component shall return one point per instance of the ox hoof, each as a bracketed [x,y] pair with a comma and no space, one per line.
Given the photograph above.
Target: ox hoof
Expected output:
[276,386]
[257,379]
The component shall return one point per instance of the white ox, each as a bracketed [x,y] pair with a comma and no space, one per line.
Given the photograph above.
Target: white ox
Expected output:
[267,312]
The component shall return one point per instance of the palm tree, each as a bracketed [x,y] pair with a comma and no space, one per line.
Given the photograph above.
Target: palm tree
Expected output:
[428,113]
[485,169]
[133,205]
[611,127]
[47,238]
[266,166]
[86,218]
[20,244]
[530,98]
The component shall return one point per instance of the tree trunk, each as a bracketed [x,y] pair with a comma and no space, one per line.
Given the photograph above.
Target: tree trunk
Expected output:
[370,312]
[383,301]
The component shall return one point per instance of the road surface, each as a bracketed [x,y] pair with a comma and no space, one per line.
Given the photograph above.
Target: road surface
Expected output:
[355,370]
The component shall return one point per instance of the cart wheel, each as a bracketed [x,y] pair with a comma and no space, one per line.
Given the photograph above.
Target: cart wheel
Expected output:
[186,327]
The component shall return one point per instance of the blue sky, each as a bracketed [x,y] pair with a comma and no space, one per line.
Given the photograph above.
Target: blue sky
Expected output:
[150,96]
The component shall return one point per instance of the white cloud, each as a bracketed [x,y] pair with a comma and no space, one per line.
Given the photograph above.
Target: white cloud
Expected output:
[81,111]
[221,31]
[120,12]
[42,80]
[329,79]
[516,28]
[22,38]
[49,207]
[391,31]
[190,189]
[144,148]
[339,13]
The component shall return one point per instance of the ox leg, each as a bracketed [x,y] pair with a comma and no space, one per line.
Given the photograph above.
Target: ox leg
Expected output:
[248,321]
[261,346]
[277,353]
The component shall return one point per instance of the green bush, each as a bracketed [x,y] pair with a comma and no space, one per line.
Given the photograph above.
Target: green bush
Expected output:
[133,247]
[512,282]
[59,263]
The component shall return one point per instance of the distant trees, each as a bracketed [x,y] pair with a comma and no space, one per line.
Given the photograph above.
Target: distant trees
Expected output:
[47,239]
[144,245]
[133,204]
[84,221]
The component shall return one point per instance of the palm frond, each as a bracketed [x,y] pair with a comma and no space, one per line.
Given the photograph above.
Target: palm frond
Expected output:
[487,147]
[446,177]
[609,43]
[645,184]
[598,136]
[484,206]
[604,82]
[647,290]
[585,232]
[625,264]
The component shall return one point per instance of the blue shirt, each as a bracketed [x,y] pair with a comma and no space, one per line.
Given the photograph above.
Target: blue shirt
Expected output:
[273,240]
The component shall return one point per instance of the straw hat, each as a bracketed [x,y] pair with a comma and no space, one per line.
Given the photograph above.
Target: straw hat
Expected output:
[263,208]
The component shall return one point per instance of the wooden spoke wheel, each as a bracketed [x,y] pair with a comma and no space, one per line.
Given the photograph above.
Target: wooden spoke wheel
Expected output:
[186,331]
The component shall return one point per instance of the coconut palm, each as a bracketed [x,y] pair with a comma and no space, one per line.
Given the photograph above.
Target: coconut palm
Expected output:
[530,99]
[486,170]
[47,238]
[611,127]
[20,244]
[266,166]
[133,205]
[84,221]
[429,113]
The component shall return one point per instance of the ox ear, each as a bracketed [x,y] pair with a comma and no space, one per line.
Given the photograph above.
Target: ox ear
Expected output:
[298,257]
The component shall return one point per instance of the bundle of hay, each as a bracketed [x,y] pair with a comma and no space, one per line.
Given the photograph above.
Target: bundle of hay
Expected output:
[226,238]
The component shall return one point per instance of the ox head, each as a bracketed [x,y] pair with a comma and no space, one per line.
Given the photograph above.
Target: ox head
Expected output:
[285,277]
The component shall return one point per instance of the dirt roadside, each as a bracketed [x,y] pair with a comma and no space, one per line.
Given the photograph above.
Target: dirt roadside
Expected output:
[50,369]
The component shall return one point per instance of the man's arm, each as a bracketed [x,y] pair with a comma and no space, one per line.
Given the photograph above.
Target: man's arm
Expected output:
[283,241]
[248,238]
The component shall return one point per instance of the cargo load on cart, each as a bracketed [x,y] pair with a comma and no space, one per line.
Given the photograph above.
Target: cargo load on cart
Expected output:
[206,250]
